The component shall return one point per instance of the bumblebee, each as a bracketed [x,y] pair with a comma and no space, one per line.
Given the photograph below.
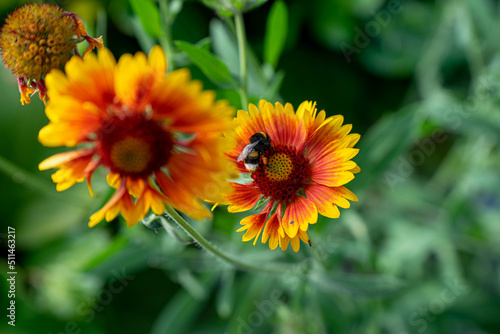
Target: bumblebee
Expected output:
[255,151]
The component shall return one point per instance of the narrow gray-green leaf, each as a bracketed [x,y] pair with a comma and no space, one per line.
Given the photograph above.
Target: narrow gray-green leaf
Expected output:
[225,47]
[276,32]
[225,298]
[228,8]
[178,314]
[359,285]
[274,87]
[148,14]
[213,68]
[386,140]
[145,40]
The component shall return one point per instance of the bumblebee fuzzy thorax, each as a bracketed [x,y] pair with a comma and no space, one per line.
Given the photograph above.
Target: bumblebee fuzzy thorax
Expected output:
[254,153]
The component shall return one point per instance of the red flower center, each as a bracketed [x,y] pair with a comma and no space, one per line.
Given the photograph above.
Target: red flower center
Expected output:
[284,175]
[133,146]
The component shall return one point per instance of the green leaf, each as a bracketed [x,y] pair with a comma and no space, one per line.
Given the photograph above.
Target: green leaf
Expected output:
[213,68]
[276,32]
[143,38]
[228,8]
[359,285]
[250,291]
[384,142]
[225,47]
[177,315]
[223,8]
[111,249]
[148,14]
[224,300]
[251,5]
[274,87]
[231,95]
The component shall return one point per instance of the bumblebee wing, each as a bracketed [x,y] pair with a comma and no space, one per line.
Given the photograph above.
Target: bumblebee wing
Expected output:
[246,151]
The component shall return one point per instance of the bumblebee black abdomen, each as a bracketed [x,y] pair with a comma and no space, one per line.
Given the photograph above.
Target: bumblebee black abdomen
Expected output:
[252,161]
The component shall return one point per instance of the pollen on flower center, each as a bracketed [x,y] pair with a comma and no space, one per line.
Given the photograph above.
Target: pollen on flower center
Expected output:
[37,38]
[284,175]
[279,167]
[133,145]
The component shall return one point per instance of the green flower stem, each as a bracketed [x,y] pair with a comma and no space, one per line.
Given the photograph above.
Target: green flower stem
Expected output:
[200,240]
[240,35]
[166,39]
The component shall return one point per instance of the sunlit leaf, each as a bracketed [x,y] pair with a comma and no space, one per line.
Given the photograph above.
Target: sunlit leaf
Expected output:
[148,13]
[276,32]
[212,67]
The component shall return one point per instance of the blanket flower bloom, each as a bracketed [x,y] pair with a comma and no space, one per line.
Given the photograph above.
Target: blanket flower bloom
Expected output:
[159,135]
[306,170]
[37,38]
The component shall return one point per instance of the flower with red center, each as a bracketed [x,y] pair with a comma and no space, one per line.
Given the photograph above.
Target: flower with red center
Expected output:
[37,38]
[158,135]
[301,175]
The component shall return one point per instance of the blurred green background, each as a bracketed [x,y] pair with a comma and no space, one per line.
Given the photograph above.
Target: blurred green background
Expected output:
[419,252]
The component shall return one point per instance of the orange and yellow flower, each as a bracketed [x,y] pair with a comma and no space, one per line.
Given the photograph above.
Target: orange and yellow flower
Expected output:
[159,135]
[307,167]
[37,38]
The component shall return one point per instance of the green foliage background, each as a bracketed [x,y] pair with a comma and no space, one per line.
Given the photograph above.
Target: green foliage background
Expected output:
[419,80]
